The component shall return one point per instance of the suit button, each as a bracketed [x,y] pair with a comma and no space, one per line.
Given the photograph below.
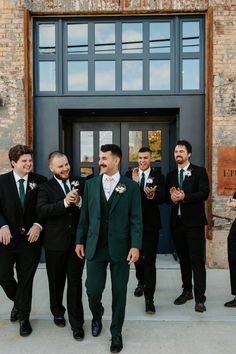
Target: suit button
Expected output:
[69,226]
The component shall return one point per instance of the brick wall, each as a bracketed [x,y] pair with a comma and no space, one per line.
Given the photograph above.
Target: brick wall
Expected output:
[12,111]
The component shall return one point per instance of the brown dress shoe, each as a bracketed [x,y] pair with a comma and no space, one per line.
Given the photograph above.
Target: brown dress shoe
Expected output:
[200,307]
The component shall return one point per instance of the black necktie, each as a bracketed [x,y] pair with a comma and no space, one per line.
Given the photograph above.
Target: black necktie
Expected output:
[22,191]
[142,182]
[181,178]
[66,188]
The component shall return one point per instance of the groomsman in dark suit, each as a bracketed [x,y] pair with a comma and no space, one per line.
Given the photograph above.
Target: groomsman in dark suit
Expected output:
[232,254]
[20,228]
[109,232]
[152,189]
[187,190]
[59,202]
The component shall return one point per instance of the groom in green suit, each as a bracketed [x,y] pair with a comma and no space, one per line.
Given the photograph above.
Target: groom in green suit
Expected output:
[109,231]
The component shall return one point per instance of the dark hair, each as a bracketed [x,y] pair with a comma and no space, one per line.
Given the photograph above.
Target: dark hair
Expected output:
[17,151]
[115,149]
[54,154]
[186,144]
[145,149]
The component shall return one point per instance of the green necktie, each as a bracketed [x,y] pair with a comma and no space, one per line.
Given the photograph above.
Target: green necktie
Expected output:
[142,182]
[181,178]
[22,191]
[66,188]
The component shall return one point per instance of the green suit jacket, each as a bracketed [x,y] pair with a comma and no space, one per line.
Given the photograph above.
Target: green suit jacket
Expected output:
[125,220]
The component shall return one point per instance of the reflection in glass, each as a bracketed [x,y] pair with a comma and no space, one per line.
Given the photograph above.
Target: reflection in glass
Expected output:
[86,146]
[132,75]
[154,143]
[191,74]
[159,41]
[105,75]
[105,137]
[104,38]
[132,38]
[47,39]
[159,74]
[77,75]
[77,38]
[135,143]
[47,76]
[86,171]
[191,40]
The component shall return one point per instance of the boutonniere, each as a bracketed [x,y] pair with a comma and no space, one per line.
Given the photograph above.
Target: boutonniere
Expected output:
[150,180]
[120,188]
[188,173]
[74,184]
[32,185]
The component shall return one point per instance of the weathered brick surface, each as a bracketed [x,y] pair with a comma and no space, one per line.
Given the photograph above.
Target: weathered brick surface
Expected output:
[12,114]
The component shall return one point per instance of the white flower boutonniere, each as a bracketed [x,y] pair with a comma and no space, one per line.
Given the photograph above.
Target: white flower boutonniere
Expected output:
[120,188]
[75,184]
[188,173]
[32,185]
[149,180]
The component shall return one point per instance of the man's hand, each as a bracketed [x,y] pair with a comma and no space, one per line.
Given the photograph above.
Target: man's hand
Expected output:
[135,174]
[177,195]
[33,233]
[5,235]
[79,249]
[133,255]
[231,204]
[72,197]
[150,191]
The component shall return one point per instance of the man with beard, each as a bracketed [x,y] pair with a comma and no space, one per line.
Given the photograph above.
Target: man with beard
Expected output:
[59,202]
[187,190]
[20,233]
[109,232]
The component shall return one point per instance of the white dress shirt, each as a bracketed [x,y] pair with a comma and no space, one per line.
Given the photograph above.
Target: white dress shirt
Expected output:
[109,183]
[146,175]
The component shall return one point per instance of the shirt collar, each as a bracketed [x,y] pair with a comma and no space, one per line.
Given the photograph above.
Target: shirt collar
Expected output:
[146,172]
[116,177]
[17,178]
[60,181]
[185,168]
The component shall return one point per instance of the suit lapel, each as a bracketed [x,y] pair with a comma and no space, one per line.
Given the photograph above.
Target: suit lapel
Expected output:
[57,188]
[117,195]
[187,178]
[28,193]
[97,192]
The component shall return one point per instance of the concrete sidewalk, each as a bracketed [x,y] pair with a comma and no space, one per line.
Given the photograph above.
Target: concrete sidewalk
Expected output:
[173,329]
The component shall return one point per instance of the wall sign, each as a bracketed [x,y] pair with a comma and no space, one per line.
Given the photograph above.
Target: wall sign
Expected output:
[226,170]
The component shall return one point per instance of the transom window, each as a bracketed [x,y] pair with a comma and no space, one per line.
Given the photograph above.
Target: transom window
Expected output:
[119,56]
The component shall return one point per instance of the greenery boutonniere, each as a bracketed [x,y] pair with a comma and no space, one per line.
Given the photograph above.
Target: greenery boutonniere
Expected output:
[32,185]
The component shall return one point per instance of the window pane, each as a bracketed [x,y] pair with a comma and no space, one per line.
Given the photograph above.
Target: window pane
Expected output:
[132,75]
[105,137]
[154,143]
[159,74]
[132,38]
[86,171]
[77,38]
[191,74]
[47,76]
[159,41]
[86,146]
[105,76]
[135,143]
[104,38]
[191,37]
[47,39]
[77,76]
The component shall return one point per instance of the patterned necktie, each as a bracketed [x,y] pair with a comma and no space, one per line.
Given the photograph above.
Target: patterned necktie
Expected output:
[142,182]
[181,178]
[22,192]
[66,188]
[108,186]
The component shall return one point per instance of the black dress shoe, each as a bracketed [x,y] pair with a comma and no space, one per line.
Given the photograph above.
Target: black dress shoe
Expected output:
[14,314]
[200,307]
[149,307]
[25,328]
[139,290]
[59,321]
[116,344]
[231,303]
[96,325]
[78,334]
[184,297]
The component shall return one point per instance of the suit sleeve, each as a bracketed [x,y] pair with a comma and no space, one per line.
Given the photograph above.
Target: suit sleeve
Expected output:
[136,222]
[45,208]
[82,228]
[167,190]
[159,196]
[203,189]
